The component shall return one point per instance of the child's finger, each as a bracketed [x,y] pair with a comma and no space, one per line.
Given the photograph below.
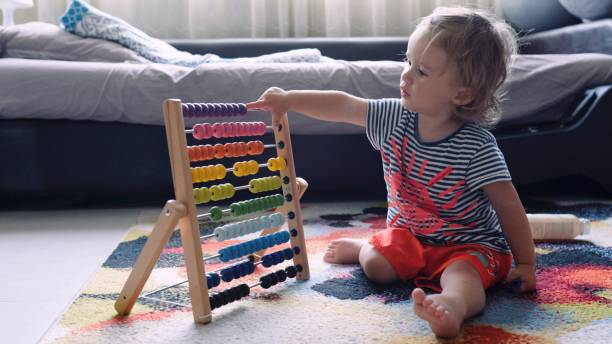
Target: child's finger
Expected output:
[259,104]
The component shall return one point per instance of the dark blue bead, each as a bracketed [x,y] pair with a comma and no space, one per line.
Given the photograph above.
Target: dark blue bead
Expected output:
[266,261]
[281,275]
[226,275]
[288,253]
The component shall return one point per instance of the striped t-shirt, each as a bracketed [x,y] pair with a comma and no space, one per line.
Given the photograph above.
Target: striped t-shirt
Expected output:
[434,189]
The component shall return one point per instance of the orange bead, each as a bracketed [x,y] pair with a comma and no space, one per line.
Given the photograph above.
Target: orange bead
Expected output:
[210,152]
[219,151]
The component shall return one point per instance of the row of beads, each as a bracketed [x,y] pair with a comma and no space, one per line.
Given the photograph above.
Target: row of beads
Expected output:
[240,169]
[255,205]
[228,129]
[214,193]
[248,206]
[247,267]
[227,190]
[276,257]
[229,295]
[276,164]
[207,173]
[232,252]
[245,168]
[213,109]
[279,276]
[237,271]
[228,150]
[265,184]
[242,290]
[237,229]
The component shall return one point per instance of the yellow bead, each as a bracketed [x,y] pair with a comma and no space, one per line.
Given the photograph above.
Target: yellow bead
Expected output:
[202,195]
[272,164]
[254,167]
[254,185]
[237,169]
[215,193]
[194,175]
[220,171]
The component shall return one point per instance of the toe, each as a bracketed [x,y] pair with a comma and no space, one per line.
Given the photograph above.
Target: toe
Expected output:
[418,296]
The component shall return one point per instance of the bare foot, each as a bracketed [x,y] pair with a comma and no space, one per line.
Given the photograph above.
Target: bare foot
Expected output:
[442,312]
[343,251]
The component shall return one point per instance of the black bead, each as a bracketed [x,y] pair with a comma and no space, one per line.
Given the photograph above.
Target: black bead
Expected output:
[286,180]
[299,268]
[281,144]
[296,250]
[294,232]
[291,272]
[281,275]
[288,197]
[291,215]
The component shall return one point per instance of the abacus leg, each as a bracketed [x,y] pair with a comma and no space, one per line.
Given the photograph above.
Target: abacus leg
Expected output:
[302,185]
[149,255]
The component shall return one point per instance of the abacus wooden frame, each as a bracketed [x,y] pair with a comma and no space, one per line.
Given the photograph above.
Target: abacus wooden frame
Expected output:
[184,212]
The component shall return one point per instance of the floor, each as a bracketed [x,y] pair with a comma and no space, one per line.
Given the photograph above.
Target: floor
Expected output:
[46,257]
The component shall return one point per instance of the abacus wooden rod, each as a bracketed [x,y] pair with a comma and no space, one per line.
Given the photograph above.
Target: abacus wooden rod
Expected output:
[168,218]
[189,229]
[281,134]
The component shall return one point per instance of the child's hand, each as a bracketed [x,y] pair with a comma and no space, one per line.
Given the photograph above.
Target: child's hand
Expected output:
[525,275]
[275,100]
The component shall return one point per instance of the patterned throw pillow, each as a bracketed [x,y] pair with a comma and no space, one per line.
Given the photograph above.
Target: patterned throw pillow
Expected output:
[87,21]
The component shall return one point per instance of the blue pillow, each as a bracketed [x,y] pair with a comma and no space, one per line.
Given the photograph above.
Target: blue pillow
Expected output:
[85,20]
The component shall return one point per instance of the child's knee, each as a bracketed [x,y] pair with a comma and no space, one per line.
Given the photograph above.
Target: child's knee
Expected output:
[375,266]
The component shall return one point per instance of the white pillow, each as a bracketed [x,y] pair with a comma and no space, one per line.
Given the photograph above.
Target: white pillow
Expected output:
[42,41]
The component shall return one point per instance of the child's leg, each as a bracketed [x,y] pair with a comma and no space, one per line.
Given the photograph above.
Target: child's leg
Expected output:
[351,251]
[462,297]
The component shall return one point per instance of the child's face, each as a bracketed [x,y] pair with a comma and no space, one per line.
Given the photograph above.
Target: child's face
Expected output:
[428,83]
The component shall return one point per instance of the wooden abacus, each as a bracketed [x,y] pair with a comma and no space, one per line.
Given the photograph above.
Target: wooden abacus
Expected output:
[183,210]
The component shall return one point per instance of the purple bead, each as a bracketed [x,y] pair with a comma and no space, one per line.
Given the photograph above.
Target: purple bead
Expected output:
[217,109]
[224,109]
[242,109]
[235,109]
[198,109]
[185,109]
[205,109]
[191,109]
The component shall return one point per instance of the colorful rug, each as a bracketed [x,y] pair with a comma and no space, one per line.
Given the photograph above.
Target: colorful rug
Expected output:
[338,305]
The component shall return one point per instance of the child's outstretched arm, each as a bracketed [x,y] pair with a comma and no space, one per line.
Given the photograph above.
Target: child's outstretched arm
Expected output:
[333,106]
[514,224]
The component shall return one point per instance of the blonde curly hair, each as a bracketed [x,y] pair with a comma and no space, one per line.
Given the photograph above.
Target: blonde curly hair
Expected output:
[481,48]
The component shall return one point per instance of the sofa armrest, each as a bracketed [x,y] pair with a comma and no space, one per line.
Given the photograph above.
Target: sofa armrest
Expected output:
[592,37]
[343,48]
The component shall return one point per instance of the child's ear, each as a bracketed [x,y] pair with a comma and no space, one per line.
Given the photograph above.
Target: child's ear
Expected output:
[463,96]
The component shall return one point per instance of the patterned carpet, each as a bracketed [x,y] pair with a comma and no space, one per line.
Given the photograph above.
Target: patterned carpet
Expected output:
[338,305]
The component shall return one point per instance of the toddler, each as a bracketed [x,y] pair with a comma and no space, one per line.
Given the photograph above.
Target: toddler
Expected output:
[455,220]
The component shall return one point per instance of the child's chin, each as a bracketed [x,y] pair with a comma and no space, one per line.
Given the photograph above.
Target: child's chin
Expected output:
[406,103]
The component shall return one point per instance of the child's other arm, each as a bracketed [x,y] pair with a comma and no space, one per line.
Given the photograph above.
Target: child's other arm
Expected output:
[333,106]
[514,224]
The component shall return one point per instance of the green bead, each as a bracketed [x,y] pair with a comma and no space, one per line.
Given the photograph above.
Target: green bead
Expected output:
[216,213]
[280,200]
[235,209]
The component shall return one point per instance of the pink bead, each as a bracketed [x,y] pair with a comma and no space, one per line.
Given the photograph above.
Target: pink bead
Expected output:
[241,129]
[261,126]
[231,129]
[208,131]
[198,132]
[218,130]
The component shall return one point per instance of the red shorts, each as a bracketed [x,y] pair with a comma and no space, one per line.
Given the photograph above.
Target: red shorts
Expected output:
[424,264]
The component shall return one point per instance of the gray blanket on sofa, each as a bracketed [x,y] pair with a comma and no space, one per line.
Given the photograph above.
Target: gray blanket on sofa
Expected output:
[133,93]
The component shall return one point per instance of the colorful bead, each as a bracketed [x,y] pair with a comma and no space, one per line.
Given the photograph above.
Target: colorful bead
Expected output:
[216,213]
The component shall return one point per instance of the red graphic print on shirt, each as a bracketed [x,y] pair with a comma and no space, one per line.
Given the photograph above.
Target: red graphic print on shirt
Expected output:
[420,213]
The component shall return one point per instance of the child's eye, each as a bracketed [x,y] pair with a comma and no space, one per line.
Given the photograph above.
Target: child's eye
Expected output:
[421,72]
